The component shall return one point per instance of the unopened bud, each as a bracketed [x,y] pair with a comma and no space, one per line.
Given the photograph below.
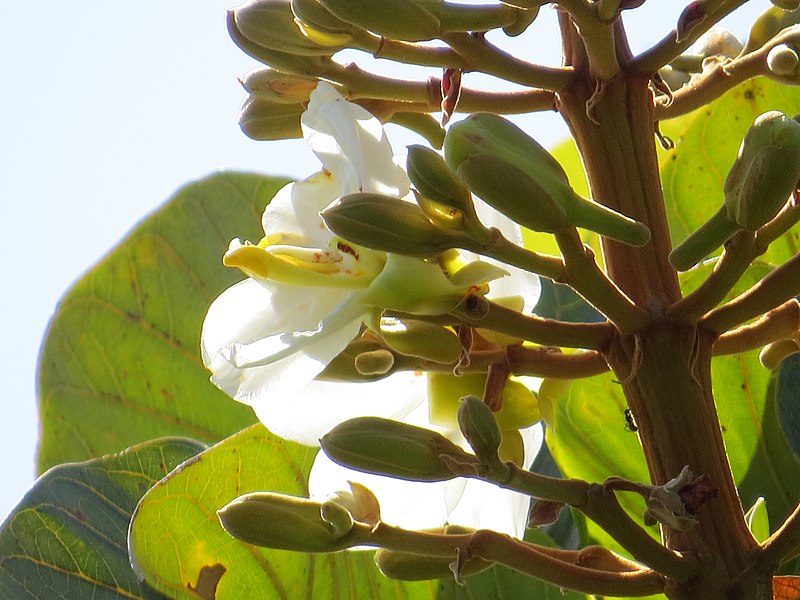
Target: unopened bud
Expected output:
[787,4]
[782,60]
[480,429]
[289,523]
[376,362]
[718,41]
[397,19]
[407,566]
[512,172]
[767,25]
[390,224]
[275,86]
[766,171]
[772,355]
[421,339]
[392,448]
[262,119]
[300,64]
[343,367]
[311,14]
[271,24]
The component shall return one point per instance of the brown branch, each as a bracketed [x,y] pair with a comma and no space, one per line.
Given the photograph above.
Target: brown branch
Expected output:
[528,559]
[779,323]
[722,76]
[479,312]
[779,286]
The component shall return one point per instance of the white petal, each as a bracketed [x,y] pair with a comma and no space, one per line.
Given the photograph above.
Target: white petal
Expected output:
[314,410]
[351,144]
[295,210]
[248,312]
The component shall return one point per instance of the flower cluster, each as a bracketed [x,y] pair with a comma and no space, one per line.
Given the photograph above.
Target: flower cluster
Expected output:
[308,295]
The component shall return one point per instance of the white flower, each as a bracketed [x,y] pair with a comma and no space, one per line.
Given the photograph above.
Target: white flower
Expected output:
[267,338]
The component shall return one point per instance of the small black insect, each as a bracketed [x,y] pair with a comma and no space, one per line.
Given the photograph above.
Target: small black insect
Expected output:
[630,424]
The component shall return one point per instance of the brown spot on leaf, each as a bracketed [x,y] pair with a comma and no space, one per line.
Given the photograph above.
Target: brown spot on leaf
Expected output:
[207,581]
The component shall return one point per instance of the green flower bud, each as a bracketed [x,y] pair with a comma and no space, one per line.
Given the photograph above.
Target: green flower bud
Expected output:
[343,367]
[763,176]
[375,362]
[315,20]
[290,523]
[442,196]
[308,65]
[787,4]
[520,405]
[772,355]
[517,176]
[427,341]
[765,172]
[407,566]
[271,24]
[274,86]
[397,19]
[480,429]
[392,448]
[262,119]
[390,224]
[674,78]
[767,25]
[782,60]
[523,19]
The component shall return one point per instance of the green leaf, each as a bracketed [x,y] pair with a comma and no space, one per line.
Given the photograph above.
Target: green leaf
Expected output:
[758,520]
[176,537]
[787,396]
[67,537]
[121,361]
[561,302]
[706,144]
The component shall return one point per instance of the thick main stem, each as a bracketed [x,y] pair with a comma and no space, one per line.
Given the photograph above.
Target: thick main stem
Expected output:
[665,367]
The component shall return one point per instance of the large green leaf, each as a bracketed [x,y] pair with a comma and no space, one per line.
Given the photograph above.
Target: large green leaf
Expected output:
[67,537]
[706,144]
[121,360]
[175,535]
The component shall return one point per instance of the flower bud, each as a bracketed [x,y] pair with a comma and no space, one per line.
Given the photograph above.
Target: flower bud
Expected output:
[432,177]
[289,523]
[766,171]
[392,448]
[772,355]
[517,176]
[718,41]
[390,224]
[374,362]
[480,429]
[407,566]
[274,86]
[309,65]
[786,4]
[320,26]
[421,339]
[520,407]
[262,119]
[397,19]
[767,25]
[782,60]
[271,24]
[343,367]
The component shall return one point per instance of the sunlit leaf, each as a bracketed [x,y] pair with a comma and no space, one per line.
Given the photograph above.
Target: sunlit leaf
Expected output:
[706,144]
[786,587]
[68,536]
[121,360]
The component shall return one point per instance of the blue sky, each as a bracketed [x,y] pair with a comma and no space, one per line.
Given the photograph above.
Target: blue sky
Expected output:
[106,111]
